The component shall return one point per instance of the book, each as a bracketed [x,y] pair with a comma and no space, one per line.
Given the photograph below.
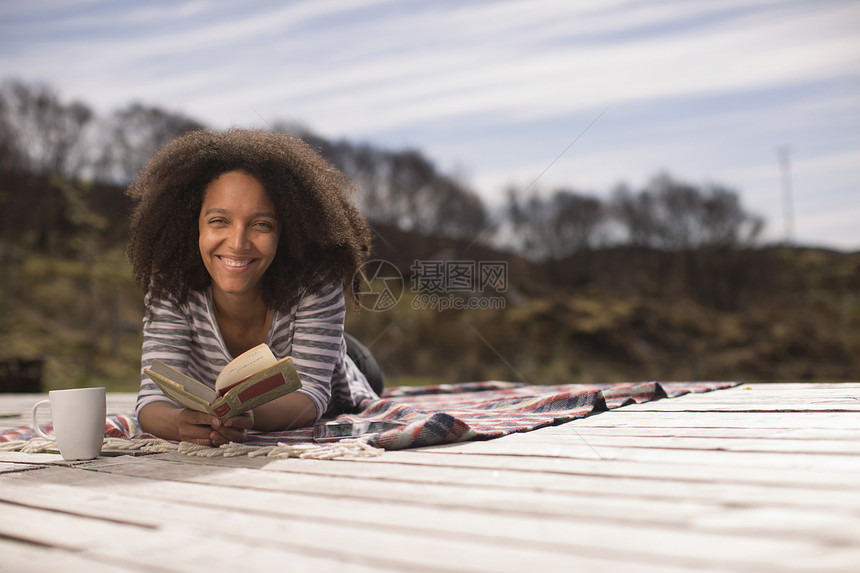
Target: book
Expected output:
[250,380]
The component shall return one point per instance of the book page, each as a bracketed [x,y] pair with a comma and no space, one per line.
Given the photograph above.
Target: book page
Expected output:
[245,365]
[188,384]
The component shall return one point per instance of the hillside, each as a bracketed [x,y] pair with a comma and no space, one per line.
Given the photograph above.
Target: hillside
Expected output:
[634,314]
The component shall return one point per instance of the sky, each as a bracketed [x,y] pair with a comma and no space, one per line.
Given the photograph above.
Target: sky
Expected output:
[538,94]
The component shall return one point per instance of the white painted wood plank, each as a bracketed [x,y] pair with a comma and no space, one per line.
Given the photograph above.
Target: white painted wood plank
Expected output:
[446,512]
[182,551]
[788,388]
[673,467]
[654,496]
[129,546]
[379,486]
[176,552]
[768,395]
[389,544]
[35,459]
[811,435]
[802,386]
[788,468]
[583,538]
[10,467]
[677,405]
[276,550]
[428,487]
[68,532]
[566,434]
[806,476]
[796,471]
[796,387]
[840,466]
[668,485]
[623,417]
[506,472]
[758,399]
[32,558]
[96,496]
[188,550]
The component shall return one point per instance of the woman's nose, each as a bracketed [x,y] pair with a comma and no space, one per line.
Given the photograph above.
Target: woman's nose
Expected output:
[238,238]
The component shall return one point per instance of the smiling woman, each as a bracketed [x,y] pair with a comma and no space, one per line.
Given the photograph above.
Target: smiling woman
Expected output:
[240,238]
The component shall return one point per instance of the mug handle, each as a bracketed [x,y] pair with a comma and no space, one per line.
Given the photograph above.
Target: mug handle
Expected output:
[36,424]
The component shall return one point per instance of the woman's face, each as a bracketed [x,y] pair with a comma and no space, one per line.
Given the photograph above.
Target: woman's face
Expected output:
[239,233]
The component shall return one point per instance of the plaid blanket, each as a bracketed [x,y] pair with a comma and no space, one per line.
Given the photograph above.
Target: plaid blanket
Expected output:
[432,415]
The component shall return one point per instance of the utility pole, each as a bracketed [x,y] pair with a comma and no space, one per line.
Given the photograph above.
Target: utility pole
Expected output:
[787,199]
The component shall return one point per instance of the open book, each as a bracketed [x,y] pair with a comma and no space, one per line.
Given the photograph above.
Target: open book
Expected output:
[250,380]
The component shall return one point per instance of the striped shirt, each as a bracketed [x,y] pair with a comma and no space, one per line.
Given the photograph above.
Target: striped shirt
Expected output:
[187,338]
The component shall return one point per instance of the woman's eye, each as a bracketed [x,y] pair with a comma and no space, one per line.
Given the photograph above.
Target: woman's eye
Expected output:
[264,225]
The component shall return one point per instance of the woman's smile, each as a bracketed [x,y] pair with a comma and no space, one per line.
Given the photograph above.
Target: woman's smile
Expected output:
[234,263]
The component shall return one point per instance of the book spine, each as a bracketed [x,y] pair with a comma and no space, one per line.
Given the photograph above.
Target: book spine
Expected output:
[222,410]
[263,386]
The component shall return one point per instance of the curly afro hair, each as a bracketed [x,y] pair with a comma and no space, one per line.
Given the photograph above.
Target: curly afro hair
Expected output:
[323,239]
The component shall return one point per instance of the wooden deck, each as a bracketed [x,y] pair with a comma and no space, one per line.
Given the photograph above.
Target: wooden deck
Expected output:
[754,478]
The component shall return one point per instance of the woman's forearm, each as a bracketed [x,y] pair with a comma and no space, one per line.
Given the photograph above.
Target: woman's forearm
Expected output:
[285,413]
[160,419]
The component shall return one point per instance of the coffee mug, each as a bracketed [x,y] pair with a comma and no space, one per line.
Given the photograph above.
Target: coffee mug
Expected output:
[79,421]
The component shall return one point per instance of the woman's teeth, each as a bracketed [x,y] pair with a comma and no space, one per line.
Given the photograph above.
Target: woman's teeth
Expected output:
[235,262]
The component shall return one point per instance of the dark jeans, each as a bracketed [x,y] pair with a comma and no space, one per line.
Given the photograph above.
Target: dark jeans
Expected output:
[366,362]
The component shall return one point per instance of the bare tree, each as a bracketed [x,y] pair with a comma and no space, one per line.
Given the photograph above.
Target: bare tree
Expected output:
[636,215]
[11,157]
[556,226]
[48,133]
[403,189]
[134,134]
[727,222]
[457,211]
[673,215]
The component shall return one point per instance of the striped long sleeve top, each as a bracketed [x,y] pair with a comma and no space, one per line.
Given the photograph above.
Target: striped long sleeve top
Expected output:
[187,338]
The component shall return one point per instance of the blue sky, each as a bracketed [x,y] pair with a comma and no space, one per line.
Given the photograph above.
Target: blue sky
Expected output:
[583,94]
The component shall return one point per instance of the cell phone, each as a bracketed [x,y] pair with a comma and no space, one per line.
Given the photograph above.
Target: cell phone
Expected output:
[329,432]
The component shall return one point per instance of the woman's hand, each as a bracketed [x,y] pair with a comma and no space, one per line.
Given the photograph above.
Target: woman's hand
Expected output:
[234,429]
[196,427]
[171,423]
[204,429]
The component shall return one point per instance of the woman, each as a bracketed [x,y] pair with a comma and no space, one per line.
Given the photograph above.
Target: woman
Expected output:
[238,238]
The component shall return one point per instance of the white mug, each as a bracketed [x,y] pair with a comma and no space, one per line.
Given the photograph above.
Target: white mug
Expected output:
[79,421]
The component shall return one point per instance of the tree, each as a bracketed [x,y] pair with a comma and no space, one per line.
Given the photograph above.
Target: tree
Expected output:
[403,189]
[635,214]
[11,158]
[726,221]
[133,135]
[43,134]
[557,226]
[673,215]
